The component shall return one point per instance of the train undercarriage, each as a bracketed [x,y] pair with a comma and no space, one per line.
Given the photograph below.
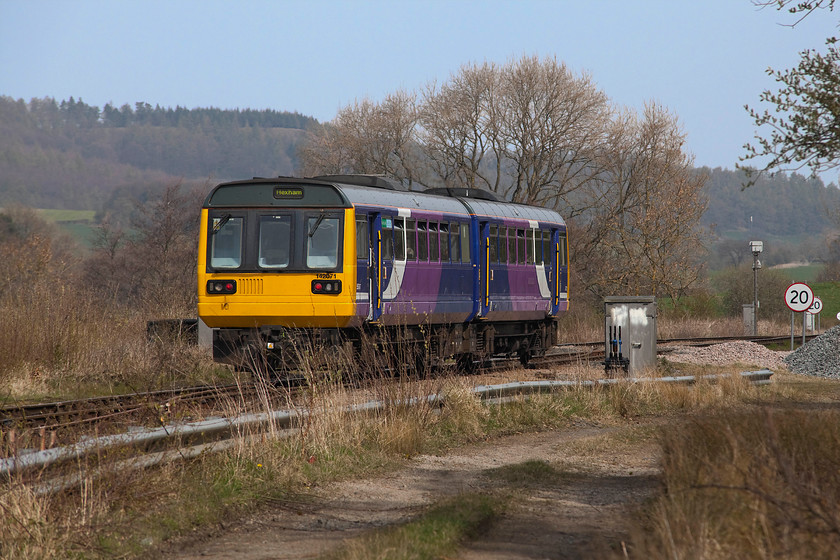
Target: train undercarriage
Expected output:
[415,349]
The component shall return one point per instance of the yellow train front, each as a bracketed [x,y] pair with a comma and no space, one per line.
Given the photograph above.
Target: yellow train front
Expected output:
[251,231]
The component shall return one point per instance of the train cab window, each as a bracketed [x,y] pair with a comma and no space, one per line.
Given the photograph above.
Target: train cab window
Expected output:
[465,243]
[520,243]
[387,238]
[226,243]
[399,239]
[503,252]
[546,243]
[563,250]
[275,241]
[455,233]
[434,245]
[494,244]
[411,239]
[422,241]
[444,243]
[362,243]
[322,235]
[529,238]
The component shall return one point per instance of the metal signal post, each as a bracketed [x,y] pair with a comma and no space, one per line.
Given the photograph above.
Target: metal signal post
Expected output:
[756,247]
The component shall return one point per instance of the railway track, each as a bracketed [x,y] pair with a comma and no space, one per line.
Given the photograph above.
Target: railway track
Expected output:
[44,425]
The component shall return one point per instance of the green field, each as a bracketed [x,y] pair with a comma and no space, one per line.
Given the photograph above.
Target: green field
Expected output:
[59,216]
[807,273]
[78,224]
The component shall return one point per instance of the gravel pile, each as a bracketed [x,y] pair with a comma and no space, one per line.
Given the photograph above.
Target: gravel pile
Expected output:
[741,352]
[819,357]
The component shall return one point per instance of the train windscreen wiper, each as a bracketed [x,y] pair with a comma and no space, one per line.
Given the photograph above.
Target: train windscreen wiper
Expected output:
[221,223]
[316,224]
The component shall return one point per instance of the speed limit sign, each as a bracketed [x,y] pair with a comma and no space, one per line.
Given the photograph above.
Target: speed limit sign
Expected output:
[799,297]
[816,306]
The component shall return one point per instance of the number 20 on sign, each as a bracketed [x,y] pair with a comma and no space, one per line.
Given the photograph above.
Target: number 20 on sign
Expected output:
[799,297]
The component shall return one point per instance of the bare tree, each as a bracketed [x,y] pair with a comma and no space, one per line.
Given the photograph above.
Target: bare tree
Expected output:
[155,268]
[553,124]
[533,132]
[367,137]
[642,233]
[460,129]
[528,131]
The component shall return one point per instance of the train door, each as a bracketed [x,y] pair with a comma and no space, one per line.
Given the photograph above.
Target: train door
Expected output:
[483,258]
[375,265]
[555,272]
[363,259]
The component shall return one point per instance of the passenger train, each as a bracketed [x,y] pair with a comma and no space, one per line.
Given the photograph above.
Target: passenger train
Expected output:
[286,263]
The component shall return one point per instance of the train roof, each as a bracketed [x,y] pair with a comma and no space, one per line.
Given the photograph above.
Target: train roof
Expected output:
[493,209]
[368,190]
[413,200]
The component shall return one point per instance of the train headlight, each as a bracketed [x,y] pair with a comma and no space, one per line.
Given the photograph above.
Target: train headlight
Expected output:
[332,287]
[221,286]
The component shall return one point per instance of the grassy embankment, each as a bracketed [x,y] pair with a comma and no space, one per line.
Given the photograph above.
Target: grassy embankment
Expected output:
[741,450]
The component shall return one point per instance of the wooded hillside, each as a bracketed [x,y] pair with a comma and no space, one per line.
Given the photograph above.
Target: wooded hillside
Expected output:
[779,205]
[73,155]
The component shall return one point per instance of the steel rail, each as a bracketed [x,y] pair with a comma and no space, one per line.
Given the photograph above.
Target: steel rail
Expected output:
[200,433]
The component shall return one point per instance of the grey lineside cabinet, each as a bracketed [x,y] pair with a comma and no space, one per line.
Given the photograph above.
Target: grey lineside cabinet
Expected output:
[630,332]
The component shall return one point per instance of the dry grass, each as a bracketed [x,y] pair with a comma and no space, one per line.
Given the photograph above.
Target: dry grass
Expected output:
[748,485]
[128,513]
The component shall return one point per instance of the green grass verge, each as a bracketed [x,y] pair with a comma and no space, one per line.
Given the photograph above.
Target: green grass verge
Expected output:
[434,534]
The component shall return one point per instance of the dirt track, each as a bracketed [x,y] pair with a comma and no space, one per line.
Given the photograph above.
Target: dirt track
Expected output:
[586,516]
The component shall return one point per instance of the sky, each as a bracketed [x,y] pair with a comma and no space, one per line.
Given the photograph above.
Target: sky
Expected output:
[703,60]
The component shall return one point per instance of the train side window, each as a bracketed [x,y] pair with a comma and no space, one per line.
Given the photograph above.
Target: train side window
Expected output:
[494,244]
[546,242]
[465,243]
[434,244]
[275,241]
[322,235]
[455,233]
[387,238]
[503,252]
[422,241]
[411,239]
[529,237]
[399,239]
[563,249]
[512,246]
[444,243]
[226,242]
[362,244]
[520,242]
[538,247]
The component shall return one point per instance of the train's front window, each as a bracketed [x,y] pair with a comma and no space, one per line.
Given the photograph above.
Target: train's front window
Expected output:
[226,242]
[275,241]
[322,241]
